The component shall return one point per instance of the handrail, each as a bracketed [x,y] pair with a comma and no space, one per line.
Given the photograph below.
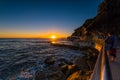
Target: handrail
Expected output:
[102,68]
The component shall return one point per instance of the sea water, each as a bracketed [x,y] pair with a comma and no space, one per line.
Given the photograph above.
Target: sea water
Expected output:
[20,58]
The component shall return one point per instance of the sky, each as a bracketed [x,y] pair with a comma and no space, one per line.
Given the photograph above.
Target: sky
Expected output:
[43,18]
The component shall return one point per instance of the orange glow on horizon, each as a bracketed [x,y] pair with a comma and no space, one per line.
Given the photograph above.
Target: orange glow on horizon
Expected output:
[24,34]
[32,35]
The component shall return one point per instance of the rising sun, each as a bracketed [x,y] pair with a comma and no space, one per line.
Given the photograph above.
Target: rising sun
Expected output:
[53,37]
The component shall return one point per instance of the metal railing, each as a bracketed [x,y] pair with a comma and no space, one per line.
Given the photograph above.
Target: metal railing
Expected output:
[102,68]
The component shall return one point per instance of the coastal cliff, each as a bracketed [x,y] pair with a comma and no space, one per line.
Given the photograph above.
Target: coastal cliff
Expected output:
[107,20]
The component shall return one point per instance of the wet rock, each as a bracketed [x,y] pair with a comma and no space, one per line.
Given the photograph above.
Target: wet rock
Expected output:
[68,69]
[63,68]
[51,72]
[40,75]
[58,75]
[80,75]
[65,61]
[75,76]
[49,60]
[71,69]
[81,63]
[77,68]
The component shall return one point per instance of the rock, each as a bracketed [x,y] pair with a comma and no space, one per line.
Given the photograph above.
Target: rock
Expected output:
[50,72]
[62,60]
[79,75]
[49,60]
[58,75]
[81,63]
[75,76]
[64,68]
[40,75]
[71,69]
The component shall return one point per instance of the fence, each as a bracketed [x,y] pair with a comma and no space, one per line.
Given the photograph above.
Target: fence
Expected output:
[102,69]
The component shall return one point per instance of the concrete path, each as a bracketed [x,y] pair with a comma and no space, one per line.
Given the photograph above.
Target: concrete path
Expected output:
[115,66]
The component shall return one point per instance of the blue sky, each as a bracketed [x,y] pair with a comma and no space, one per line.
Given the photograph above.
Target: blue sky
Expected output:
[43,17]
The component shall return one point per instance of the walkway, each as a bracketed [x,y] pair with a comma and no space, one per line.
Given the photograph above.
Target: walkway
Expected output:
[115,66]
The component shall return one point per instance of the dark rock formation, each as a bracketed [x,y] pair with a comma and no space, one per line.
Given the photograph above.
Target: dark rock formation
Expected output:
[50,72]
[49,60]
[63,69]
[80,75]
[107,19]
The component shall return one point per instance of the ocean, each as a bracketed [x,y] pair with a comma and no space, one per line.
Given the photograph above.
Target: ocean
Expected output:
[26,56]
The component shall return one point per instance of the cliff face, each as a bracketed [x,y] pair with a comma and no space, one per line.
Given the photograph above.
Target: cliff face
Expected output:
[107,19]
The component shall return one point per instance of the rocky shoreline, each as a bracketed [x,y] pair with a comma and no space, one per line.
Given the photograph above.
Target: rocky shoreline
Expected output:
[62,69]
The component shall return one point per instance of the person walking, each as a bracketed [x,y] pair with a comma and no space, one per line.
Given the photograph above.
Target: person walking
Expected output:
[114,46]
[111,45]
[108,44]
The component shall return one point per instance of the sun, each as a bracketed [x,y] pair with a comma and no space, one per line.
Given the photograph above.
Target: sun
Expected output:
[53,37]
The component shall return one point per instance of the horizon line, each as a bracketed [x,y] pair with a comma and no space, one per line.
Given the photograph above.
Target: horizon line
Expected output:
[29,38]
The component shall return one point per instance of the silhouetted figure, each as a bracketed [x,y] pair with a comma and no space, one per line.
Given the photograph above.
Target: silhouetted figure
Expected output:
[114,46]
[111,45]
[108,43]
